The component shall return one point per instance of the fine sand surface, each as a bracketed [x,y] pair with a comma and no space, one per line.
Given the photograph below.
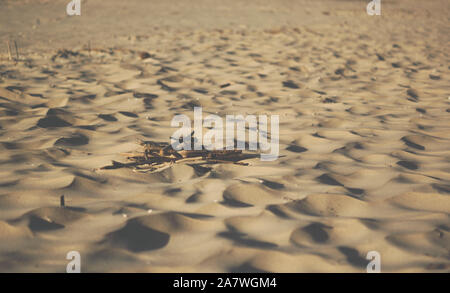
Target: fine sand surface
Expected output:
[364,106]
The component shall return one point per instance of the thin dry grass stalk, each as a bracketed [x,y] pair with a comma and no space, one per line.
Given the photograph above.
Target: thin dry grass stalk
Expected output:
[8,44]
[17,51]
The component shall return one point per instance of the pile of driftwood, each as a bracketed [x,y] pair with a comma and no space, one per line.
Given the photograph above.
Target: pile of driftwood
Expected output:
[157,156]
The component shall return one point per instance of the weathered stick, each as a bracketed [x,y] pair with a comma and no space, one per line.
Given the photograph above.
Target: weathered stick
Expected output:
[62,201]
[160,156]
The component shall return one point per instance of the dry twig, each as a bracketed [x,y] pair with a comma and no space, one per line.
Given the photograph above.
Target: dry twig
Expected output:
[156,156]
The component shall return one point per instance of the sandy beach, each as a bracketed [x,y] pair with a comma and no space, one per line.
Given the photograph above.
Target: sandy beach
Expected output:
[364,135]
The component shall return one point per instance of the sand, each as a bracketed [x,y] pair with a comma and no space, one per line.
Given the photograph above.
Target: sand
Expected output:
[364,106]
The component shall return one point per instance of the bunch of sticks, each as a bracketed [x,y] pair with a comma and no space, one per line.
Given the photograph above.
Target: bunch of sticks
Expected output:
[158,156]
